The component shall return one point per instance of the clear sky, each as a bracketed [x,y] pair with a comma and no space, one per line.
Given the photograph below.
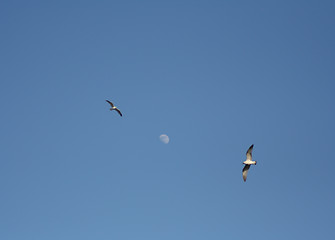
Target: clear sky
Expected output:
[215,76]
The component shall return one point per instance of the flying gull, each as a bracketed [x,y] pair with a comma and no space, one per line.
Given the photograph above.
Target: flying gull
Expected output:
[248,162]
[114,108]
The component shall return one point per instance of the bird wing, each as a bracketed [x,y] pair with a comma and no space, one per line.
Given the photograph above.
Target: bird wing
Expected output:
[118,111]
[245,172]
[110,103]
[249,152]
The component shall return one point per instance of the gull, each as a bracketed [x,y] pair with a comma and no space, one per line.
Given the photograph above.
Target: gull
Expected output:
[114,108]
[248,162]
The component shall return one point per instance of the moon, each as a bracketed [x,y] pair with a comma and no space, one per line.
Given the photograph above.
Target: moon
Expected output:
[164,138]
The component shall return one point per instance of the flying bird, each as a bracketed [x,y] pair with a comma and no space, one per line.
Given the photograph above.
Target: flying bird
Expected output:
[248,162]
[114,108]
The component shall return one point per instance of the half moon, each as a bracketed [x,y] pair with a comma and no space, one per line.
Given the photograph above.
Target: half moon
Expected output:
[164,138]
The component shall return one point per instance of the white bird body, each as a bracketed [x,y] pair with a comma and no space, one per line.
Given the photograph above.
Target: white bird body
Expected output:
[248,163]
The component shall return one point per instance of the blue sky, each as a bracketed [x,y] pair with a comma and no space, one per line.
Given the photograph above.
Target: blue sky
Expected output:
[215,76]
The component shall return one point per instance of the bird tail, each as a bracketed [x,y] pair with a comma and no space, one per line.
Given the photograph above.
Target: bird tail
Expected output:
[255,162]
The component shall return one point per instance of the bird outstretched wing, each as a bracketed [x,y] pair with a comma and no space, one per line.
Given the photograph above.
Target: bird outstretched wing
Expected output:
[118,111]
[110,103]
[245,172]
[249,152]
